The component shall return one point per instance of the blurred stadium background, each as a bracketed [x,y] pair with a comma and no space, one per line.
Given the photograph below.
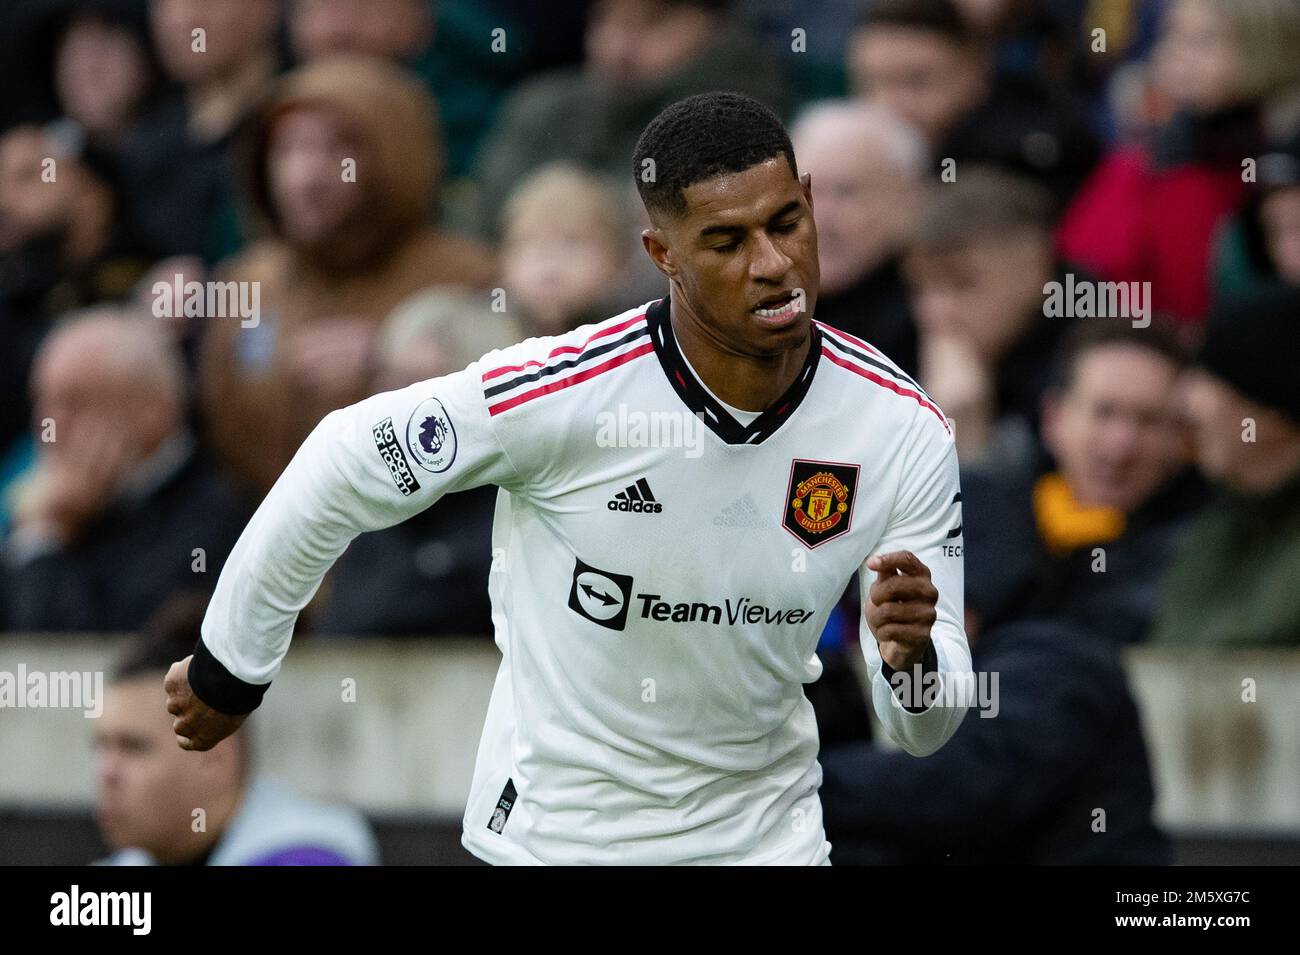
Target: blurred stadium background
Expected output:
[394,187]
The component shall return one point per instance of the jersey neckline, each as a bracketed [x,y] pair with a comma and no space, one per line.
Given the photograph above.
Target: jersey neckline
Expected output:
[709,409]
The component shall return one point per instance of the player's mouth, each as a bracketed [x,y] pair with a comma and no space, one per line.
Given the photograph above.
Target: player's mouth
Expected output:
[778,310]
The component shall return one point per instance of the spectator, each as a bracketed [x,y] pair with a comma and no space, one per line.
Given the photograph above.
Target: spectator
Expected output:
[450,45]
[112,95]
[1152,213]
[104,68]
[565,249]
[58,251]
[1058,776]
[1279,213]
[185,330]
[1089,541]
[1244,402]
[428,575]
[1264,244]
[120,509]
[867,172]
[1115,82]
[397,30]
[1029,39]
[150,789]
[978,266]
[930,65]
[222,54]
[641,55]
[813,57]
[344,248]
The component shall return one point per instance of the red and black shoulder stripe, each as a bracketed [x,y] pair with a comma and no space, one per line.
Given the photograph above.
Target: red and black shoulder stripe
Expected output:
[612,345]
[855,355]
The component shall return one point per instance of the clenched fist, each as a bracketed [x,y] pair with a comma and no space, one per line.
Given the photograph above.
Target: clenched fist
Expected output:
[197,725]
[900,608]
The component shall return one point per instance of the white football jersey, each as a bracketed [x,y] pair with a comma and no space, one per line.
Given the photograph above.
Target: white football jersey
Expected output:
[661,576]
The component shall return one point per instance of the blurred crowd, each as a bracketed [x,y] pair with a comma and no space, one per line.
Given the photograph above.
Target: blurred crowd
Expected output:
[221,219]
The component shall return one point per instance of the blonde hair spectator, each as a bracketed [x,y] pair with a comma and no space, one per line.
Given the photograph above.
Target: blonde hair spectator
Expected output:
[566,240]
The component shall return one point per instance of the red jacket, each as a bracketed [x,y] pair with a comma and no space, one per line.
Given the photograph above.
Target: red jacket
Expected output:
[1134,222]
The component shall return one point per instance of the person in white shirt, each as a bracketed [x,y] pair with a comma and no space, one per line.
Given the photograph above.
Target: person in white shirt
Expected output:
[663,567]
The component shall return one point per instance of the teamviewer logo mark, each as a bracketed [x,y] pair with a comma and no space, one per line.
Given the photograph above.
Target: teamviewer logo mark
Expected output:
[600,596]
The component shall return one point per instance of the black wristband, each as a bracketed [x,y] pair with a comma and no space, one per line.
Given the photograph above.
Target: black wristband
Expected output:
[219,688]
[929,664]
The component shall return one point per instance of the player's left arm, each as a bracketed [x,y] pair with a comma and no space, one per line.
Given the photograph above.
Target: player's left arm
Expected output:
[912,630]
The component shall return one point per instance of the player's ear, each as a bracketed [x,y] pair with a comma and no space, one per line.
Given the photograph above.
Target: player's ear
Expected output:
[806,182]
[657,249]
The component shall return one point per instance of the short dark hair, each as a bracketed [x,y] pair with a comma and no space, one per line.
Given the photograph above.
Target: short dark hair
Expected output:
[700,137]
[940,17]
[983,204]
[1089,334]
[170,634]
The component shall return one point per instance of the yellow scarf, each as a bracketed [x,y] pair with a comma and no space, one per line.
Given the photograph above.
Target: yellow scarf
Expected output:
[1064,524]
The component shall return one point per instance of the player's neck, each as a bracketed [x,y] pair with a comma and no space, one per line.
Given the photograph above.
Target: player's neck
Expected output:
[747,382]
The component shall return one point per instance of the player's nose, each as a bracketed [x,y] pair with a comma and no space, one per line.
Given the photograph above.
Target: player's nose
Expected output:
[768,263]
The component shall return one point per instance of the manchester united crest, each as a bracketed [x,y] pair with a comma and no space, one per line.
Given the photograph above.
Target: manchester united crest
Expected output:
[819,500]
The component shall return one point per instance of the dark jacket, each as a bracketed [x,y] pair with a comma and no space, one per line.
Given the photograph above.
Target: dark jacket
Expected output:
[1119,602]
[174,189]
[1021,788]
[426,576]
[135,555]
[1027,369]
[1025,130]
[38,283]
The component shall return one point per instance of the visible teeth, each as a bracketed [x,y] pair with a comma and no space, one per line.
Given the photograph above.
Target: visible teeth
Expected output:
[778,312]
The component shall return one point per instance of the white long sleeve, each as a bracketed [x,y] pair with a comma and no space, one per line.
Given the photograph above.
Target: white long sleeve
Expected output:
[365,467]
[926,521]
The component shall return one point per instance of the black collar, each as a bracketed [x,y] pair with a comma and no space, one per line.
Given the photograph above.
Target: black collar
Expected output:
[704,405]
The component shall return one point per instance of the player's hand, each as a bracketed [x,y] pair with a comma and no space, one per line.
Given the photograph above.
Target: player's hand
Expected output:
[900,607]
[197,726]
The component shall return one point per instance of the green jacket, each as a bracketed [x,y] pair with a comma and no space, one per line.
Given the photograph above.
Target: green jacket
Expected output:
[1235,579]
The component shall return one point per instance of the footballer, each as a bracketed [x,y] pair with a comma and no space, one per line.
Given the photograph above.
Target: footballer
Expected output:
[649,707]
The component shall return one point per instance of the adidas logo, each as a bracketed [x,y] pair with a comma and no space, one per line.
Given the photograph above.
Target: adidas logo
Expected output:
[636,498]
[742,512]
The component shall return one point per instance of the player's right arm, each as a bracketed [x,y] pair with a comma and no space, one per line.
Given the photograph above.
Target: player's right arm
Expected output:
[365,467]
